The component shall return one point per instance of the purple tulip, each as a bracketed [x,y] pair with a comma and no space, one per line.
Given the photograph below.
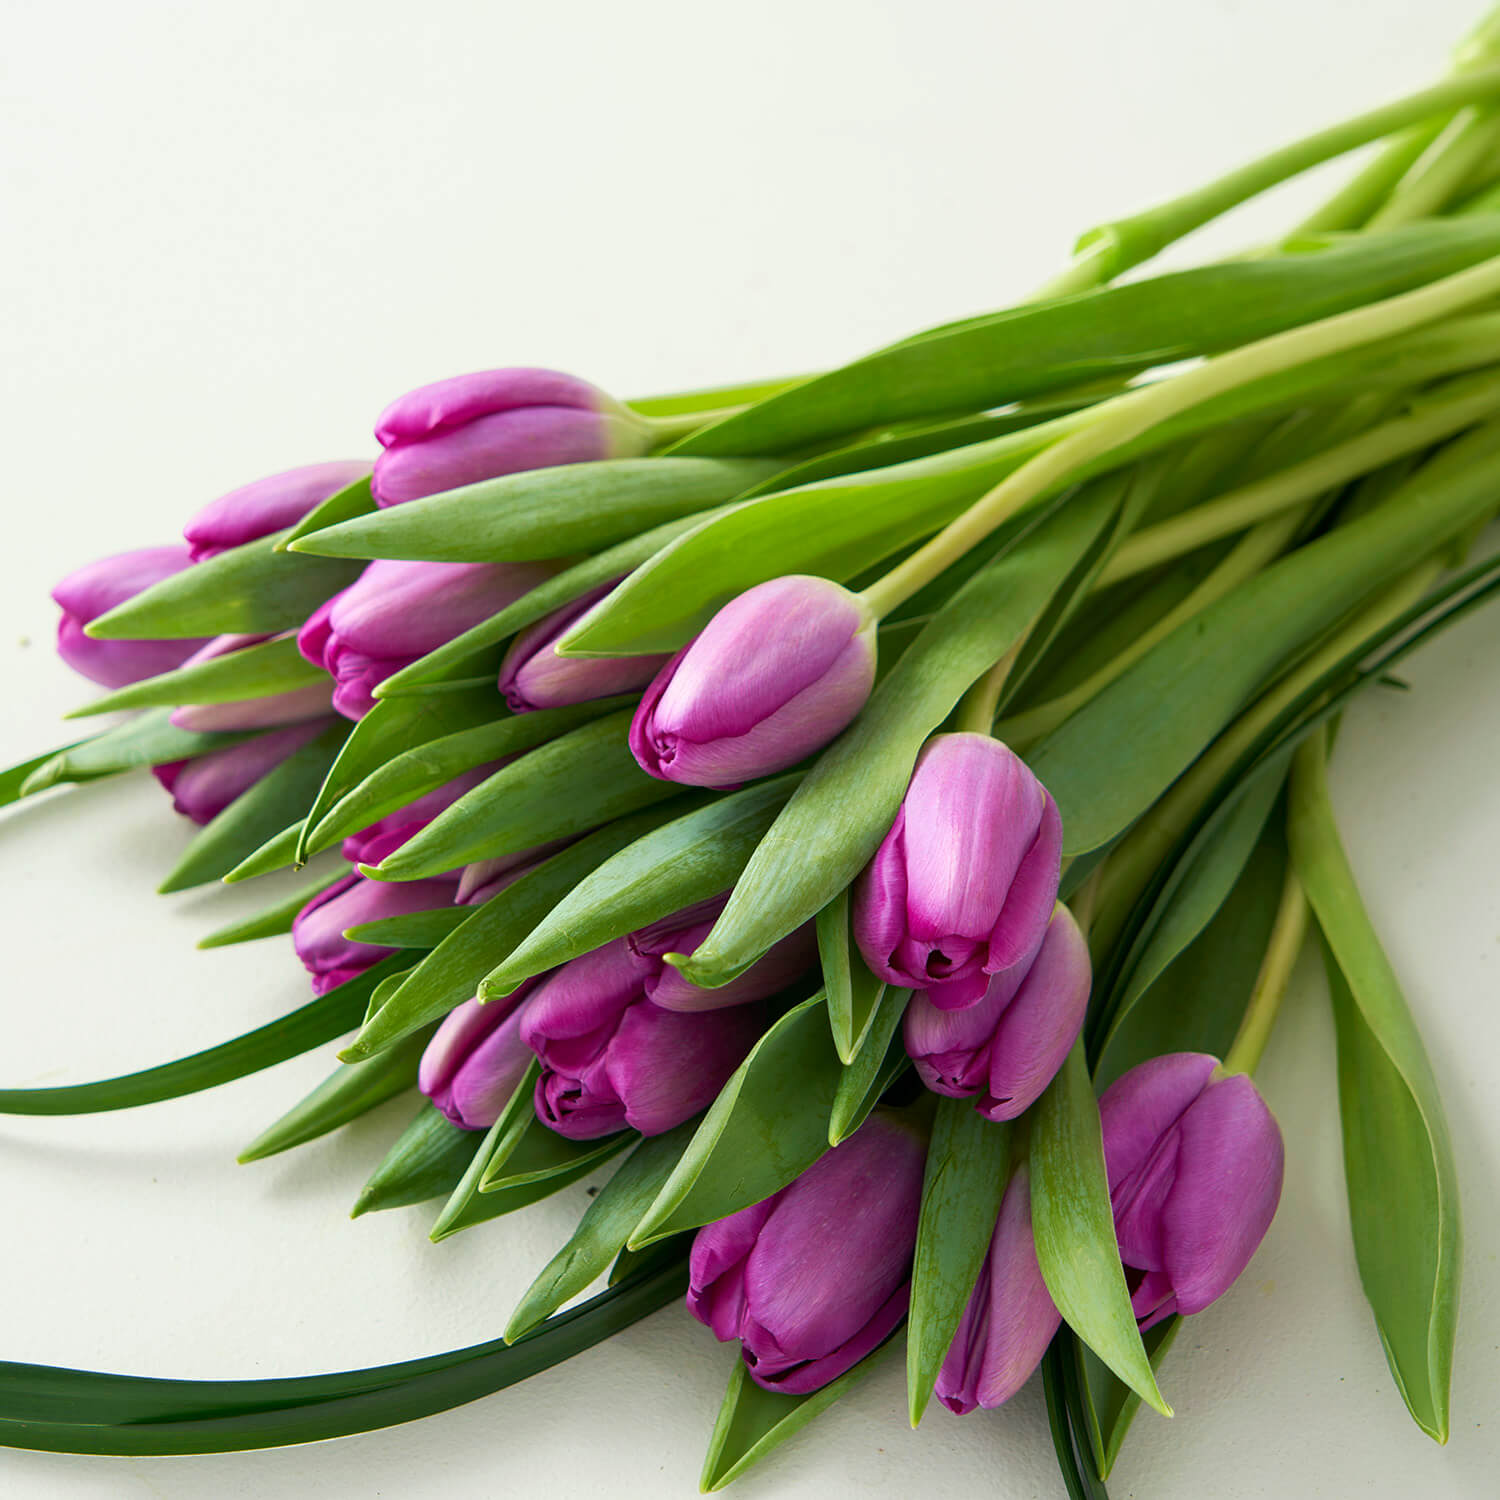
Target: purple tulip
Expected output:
[533,675]
[267,505]
[91,591]
[475,1060]
[963,885]
[611,1058]
[813,1278]
[774,676]
[290,707]
[1010,1319]
[205,785]
[318,929]
[1195,1162]
[485,878]
[371,845]
[473,427]
[396,612]
[1006,1047]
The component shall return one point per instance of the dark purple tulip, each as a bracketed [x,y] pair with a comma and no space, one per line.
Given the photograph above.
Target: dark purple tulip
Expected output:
[94,590]
[963,885]
[472,427]
[1006,1047]
[1010,1319]
[774,676]
[291,707]
[396,612]
[204,786]
[371,845]
[813,1278]
[475,1060]
[318,929]
[267,505]
[1195,1163]
[611,1059]
[533,675]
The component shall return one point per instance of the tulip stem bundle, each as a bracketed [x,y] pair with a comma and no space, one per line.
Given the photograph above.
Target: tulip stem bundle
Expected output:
[893,799]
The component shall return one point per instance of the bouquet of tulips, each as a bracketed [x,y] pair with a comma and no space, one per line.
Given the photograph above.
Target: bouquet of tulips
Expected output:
[874,814]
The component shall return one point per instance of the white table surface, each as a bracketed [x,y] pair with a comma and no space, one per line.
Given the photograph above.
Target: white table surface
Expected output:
[234,232]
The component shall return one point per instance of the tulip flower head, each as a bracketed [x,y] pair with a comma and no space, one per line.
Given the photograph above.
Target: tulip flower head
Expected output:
[533,675]
[611,1057]
[473,427]
[318,929]
[1010,1318]
[1006,1047]
[205,785]
[813,1278]
[1195,1166]
[267,505]
[475,1060]
[94,590]
[774,676]
[396,612]
[963,885]
[371,845]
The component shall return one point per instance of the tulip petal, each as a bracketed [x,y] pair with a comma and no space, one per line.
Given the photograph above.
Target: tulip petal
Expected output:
[461,398]
[1138,1108]
[265,505]
[716,1279]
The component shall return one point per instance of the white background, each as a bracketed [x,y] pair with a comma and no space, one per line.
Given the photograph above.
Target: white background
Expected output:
[235,231]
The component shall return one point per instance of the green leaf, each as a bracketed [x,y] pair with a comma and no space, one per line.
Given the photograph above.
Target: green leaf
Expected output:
[752,1422]
[1212,664]
[846,803]
[450,974]
[15,777]
[1398,1157]
[346,1094]
[255,815]
[410,775]
[768,1125]
[603,1230]
[1068,1423]
[541,513]
[1109,1407]
[427,1161]
[414,929]
[853,991]
[1075,1228]
[968,1164]
[344,505]
[560,789]
[85,1411]
[274,666]
[249,590]
[541,1154]
[1111,332]
[148,740]
[686,860]
[712,398]
[878,1064]
[391,729]
[279,852]
[319,1021]
[276,919]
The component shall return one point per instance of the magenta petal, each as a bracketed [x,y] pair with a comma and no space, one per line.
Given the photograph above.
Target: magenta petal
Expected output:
[1032,894]
[267,505]
[1138,1109]
[207,784]
[292,707]
[95,589]
[461,398]
[879,917]
[492,1072]
[716,1281]
[814,1374]
[587,995]
[318,930]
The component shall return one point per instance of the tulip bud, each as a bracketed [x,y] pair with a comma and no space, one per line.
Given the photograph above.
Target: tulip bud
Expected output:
[91,591]
[611,1058]
[1195,1163]
[774,676]
[472,427]
[963,885]
[318,929]
[475,1060]
[371,845]
[1010,1319]
[205,785]
[267,505]
[1008,1045]
[396,612]
[813,1278]
[533,675]
[290,707]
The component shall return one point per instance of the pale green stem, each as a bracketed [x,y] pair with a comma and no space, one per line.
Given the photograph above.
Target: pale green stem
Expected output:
[1444,168]
[1436,416]
[670,429]
[1117,422]
[1287,934]
[976,713]
[1362,195]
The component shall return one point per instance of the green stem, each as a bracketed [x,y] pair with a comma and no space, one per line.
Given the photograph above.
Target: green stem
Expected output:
[667,430]
[1442,171]
[1116,422]
[1351,207]
[1287,934]
[976,713]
